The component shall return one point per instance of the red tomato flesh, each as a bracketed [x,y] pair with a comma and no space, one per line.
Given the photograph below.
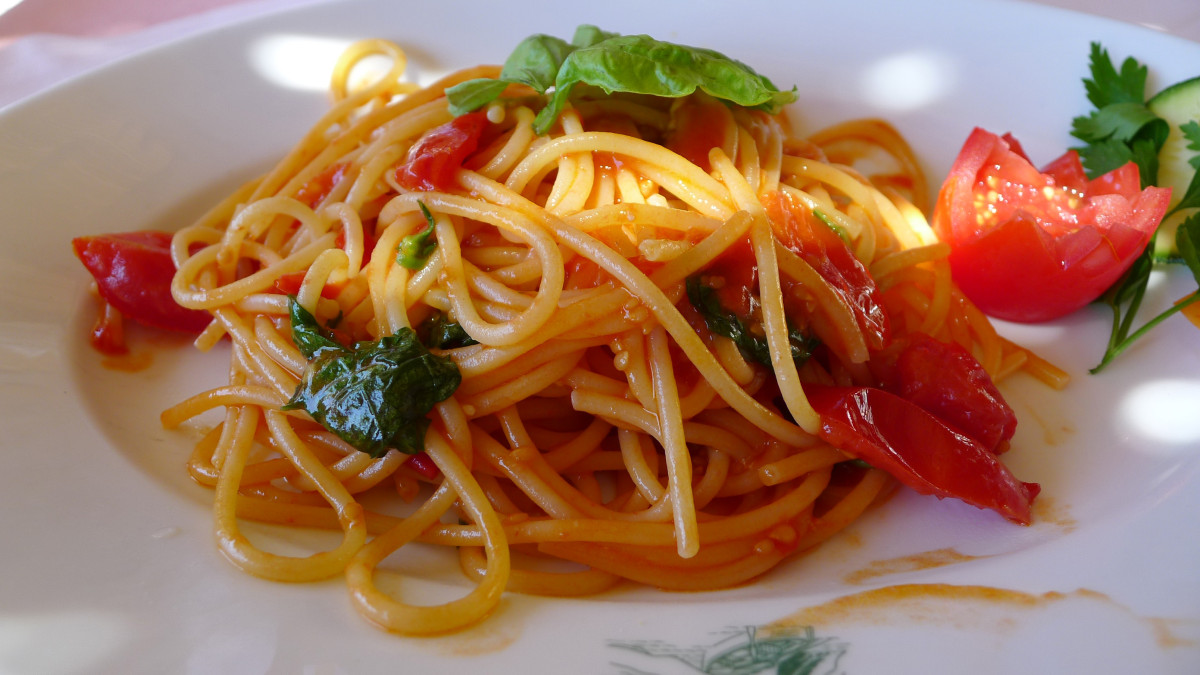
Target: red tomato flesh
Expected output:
[919,450]
[133,272]
[801,232]
[1030,245]
[945,380]
[734,278]
[434,159]
[422,464]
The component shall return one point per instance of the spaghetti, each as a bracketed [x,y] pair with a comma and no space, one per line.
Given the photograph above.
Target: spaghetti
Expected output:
[604,414]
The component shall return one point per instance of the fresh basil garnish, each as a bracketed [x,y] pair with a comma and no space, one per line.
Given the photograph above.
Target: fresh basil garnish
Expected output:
[723,322]
[636,64]
[374,395]
[439,332]
[415,249]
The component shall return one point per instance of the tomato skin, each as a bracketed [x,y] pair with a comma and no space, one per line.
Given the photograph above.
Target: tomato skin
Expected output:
[737,270]
[1030,245]
[700,126]
[321,185]
[947,381]
[422,464]
[919,450]
[434,159]
[800,231]
[133,272]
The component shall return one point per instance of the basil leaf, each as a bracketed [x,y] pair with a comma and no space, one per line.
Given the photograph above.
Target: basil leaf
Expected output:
[640,64]
[635,64]
[415,249]
[587,35]
[725,323]
[471,95]
[536,61]
[376,396]
[438,332]
[310,338]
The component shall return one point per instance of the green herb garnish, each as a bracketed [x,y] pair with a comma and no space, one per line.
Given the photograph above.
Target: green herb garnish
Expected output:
[1129,291]
[1121,129]
[723,322]
[415,249]
[1191,197]
[374,395]
[636,64]
[439,332]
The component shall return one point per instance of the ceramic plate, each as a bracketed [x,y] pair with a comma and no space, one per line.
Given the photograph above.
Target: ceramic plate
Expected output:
[107,554]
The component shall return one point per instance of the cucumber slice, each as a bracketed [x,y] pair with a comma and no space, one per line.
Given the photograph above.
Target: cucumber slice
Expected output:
[1176,104]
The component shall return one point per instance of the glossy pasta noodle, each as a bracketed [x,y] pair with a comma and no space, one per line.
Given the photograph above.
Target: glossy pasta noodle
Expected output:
[600,419]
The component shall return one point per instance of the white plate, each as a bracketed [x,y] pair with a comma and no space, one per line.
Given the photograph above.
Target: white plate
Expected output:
[105,546]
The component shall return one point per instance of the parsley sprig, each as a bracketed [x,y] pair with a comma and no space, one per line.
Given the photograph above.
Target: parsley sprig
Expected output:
[1119,130]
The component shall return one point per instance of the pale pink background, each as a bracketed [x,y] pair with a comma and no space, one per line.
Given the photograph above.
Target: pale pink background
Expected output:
[43,42]
[113,17]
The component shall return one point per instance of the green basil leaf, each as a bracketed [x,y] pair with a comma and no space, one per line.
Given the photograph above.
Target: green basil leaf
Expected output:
[471,95]
[640,64]
[725,323]
[439,332]
[376,396]
[308,335]
[415,249]
[587,35]
[536,61]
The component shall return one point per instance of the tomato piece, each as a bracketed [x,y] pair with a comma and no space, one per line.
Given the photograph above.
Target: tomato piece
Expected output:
[434,159]
[737,272]
[918,449]
[108,333]
[702,124]
[801,232]
[422,464]
[946,380]
[315,191]
[1030,245]
[133,272]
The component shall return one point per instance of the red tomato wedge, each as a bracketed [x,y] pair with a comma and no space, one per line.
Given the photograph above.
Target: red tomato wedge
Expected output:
[1029,245]
[919,450]
[946,380]
[133,272]
[434,159]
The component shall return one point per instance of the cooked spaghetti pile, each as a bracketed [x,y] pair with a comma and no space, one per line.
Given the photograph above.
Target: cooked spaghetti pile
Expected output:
[595,345]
